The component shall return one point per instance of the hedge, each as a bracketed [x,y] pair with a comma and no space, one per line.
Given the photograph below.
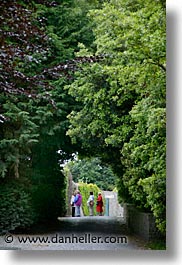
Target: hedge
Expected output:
[16,209]
[85,190]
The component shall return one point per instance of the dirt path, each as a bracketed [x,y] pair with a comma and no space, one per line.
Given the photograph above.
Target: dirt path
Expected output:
[84,233]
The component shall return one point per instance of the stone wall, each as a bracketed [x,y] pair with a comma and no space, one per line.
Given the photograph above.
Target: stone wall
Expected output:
[141,223]
[71,187]
[115,209]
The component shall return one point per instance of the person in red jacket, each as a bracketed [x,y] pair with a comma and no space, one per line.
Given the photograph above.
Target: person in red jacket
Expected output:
[99,207]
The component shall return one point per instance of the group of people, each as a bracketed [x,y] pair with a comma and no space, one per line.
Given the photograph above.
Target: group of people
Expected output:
[76,202]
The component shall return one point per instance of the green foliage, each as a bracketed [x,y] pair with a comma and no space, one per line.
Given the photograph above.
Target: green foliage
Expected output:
[67,25]
[114,108]
[16,210]
[85,192]
[123,100]
[34,106]
[44,196]
[47,180]
[92,171]
[145,159]
[157,245]
[17,136]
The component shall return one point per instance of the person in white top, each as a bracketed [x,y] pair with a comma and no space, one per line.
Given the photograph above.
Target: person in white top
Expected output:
[90,204]
[73,204]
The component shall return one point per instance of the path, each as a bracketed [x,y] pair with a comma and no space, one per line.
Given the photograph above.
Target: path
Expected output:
[84,233]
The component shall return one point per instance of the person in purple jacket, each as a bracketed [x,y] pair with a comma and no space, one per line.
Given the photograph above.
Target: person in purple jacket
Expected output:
[77,202]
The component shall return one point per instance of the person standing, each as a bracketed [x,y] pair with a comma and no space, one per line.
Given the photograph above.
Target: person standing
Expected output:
[77,202]
[90,204]
[73,204]
[99,207]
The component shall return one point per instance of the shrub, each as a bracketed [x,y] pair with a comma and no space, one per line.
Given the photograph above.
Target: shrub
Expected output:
[48,202]
[15,207]
[85,192]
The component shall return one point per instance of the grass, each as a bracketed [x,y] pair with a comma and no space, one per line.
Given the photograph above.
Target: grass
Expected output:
[157,245]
